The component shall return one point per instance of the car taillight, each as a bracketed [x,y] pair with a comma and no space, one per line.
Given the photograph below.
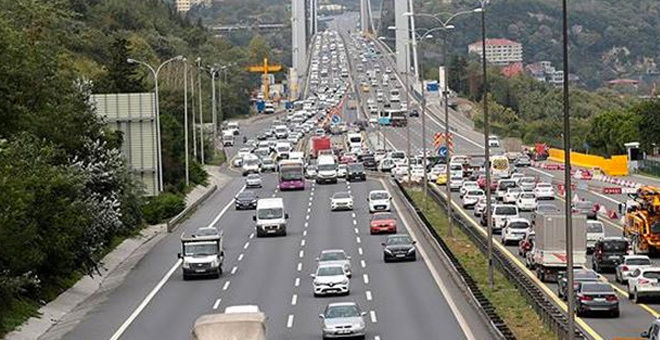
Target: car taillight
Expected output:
[643,281]
[585,297]
[624,268]
[612,298]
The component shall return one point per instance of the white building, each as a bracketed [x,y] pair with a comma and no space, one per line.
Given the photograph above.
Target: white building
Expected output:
[183,6]
[499,51]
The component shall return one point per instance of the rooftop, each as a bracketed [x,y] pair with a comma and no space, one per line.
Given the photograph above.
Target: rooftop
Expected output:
[496,42]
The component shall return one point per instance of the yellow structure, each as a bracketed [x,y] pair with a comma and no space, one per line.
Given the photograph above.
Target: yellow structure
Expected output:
[265,68]
[642,222]
[614,166]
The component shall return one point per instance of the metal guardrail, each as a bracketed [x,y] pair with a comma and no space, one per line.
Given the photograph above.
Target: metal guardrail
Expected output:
[550,313]
[472,286]
[176,220]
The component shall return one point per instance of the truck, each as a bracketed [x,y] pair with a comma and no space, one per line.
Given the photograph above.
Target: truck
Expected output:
[319,143]
[227,138]
[201,255]
[399,118]
[230,325]
[549,247]
[642,220]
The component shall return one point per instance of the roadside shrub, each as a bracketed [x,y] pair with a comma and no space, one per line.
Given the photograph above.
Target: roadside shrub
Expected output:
[163,206]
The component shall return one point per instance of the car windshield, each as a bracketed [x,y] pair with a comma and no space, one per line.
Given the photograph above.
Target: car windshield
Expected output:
[283,149]
[379,196]
[475,193]
[597,287]
[528,195]
[271,213]
[506,210]
[266,161]
[594,227]
[638,262]
[514,190]
[615,246]
[398,240]
[584,275]
[327,167]
[253,176]
[382,216]
[341,195]
[330,271]
[356,167]
[247,195]
[332,256]
[507,184]
[544,185]
[519,225]
[350,311]
[200,249]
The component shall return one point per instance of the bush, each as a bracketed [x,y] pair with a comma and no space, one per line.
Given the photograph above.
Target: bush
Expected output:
[163,206]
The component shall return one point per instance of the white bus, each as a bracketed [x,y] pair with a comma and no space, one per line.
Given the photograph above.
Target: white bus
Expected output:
[500,166]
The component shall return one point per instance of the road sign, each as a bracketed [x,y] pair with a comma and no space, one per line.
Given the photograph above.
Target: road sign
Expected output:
[335,119]
[442,151]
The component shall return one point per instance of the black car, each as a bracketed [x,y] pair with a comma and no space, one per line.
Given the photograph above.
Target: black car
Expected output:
[414,113]
[579,275]
[585,208]
[596,297]
[399,247]
[609,253]
[355,171]
[369,161]
[246,200]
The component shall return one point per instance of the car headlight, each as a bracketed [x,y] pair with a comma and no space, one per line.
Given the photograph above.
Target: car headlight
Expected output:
[186,265]
[344,281]
[316,282]
[388,251]
[411,250]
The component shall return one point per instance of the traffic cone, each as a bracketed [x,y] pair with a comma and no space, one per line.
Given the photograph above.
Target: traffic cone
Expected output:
[602,210]
[576,198]
[612,215]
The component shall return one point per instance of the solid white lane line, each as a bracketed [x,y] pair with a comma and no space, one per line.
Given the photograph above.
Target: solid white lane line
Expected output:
[372,314]
[233,270]
[240,257]
[358,240]
[217,304]
[360,251]
[294,299]
[252,235]
[247,244]
[297,282]
[301,254]
[368,293]
[302,242]
[363,264]
[365,278]
[289,321]
[226,285]
[299,266]
[163,280]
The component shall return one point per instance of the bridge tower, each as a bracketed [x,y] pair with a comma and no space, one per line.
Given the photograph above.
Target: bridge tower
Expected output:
[298,41]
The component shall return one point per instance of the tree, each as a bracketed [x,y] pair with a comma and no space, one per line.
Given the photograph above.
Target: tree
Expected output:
[649,124]
[122,76]
[259,49]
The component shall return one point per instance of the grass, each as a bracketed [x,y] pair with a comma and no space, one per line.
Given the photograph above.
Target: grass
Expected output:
[507,300]
[218,159]
[16,313]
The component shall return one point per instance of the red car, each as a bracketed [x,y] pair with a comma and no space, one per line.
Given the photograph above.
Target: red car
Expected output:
[348,158]
[382,223]
[481,181]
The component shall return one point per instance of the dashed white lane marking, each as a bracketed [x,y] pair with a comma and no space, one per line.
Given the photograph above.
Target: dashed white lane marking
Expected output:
[302,242]
[310,199]
[297,282]
[307,217]
[226,285]
[306,224]
[354,222]
[233,270]
[252,235]
[368,294]
[376,337]
[294,299]
[289,321]
[353,214]
[217,304]
[299,266]
[273,195]
[240,257]
[357,231]
[360,251]
[301,254]
[358,240]
[247,244]
[309,210]
[363,264]
[305,232]
[372,314]
[309,204]
[365,278]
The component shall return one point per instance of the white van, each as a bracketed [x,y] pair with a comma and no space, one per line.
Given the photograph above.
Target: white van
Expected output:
[283,149]
[300,156]
[493,141]
[269,108]
[281,131]
[354,140]
[326,169]
[271,217]
[250,165]
[501,213]
[233,128]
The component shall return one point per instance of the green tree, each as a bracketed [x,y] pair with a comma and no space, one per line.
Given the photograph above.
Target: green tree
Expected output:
[121,77]
[649,124]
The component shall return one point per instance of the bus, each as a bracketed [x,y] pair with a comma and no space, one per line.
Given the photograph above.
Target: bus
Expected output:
[500,166]
[384,117]
[291,175]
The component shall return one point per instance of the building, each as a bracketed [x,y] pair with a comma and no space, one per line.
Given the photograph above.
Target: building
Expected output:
[183,6]
[499,51]
[545,72]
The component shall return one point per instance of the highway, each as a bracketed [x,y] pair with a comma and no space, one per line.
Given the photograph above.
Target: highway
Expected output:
[402,300]
[634,317]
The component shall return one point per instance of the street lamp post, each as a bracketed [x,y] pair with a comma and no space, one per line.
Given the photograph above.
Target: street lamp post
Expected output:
[201,114]
[185,117]
[192,106]
[445,92]
[214,119]
[155,73]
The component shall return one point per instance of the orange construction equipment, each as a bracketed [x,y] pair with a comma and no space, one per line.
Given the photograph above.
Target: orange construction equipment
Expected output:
[642,222]
[265,68]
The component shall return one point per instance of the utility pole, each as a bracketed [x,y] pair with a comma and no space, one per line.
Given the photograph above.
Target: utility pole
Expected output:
[201,114]
[213,109]
[192,105]
[445,92]
[407,71]
[185,118]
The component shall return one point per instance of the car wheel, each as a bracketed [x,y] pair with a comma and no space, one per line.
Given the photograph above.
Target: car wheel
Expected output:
[616,277]
[636,298]
[615,314]
[186,277]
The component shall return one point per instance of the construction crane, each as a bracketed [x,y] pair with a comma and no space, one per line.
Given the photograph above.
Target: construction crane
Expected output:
[642,221]
[265,68]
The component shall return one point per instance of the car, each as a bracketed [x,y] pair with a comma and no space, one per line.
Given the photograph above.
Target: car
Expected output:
[514,230]
[342,170]
[253,181]
[267,164]
[379,200]
[595,232]
[455,182]
[596,297]
[480,207]
[503,186]
[481,180]
[382,222]
[343,319]
[413,113]
[527,183]
[643,283]
[436,171]
[310,171]
[331,279]
[526,201]
[511,195]
[544,191]
[653,332]
[246,200]
[579,275]
[399,247]
[442,179]
[355,172]
[500,214]
[522,161]
[467,185]
[609,253]
[472,197]
[341,201]
[585,207]
[337,257]
[629,264]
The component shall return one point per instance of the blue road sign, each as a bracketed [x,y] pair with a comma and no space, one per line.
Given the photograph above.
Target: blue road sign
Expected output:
[335,119]
[442,151]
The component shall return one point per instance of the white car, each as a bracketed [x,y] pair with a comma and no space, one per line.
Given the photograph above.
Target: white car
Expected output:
[331,279]
[253,181]
[472,197]
[502,212]
[336,257]
[515,230]
[480,207]
[595,231]
[511,195]
[526,201]
[341,201]
[385,165]
[342,169]
[629,264]
[379,200]
[437,170]
[527,183]
[399,170]
[468,185]
[544,190]
[643,282]
[417,173]
[455,182]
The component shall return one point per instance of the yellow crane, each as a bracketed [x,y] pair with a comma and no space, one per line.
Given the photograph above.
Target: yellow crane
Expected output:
[265,68]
